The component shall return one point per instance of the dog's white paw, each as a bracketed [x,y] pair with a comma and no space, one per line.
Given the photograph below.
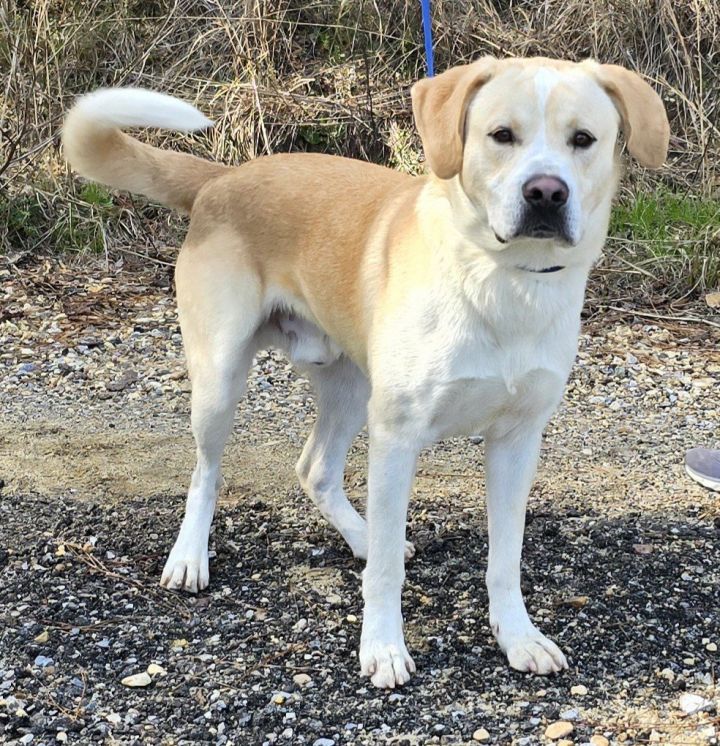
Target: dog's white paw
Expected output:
[534,653]
[388,664]
[186,569]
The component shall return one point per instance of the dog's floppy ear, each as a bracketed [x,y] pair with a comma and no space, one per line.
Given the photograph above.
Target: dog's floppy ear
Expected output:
[644,120]
[439,106]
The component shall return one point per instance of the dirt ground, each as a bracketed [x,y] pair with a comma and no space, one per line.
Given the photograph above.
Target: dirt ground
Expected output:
[620,567]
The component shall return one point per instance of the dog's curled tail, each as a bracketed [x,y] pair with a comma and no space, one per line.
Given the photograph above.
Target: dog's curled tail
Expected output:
[97,149]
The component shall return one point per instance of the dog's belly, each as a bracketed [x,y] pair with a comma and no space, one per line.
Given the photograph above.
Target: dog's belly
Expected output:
[470,406]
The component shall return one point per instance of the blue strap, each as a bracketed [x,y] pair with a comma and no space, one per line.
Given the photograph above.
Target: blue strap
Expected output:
[427,31]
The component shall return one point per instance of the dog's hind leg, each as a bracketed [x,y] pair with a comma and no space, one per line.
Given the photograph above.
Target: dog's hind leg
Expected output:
[342,393]
[219,314]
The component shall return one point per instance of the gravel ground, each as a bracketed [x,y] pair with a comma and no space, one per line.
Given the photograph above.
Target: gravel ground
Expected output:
[621,561]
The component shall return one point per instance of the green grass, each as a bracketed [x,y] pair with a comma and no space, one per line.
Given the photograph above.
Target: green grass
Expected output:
[30,220]
[664,217]
[95,194]
[674,236]
[83,224]
[21,221]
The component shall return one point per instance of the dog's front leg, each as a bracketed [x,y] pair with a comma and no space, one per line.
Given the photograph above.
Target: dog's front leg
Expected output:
[510,464]
[383,655]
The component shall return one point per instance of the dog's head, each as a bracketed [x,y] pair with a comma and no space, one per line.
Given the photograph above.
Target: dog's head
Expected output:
[532,141]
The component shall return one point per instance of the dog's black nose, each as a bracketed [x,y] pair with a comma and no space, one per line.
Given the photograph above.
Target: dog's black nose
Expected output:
[546,192]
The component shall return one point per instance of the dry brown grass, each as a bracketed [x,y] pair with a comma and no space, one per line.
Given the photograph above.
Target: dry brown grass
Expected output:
[311,75]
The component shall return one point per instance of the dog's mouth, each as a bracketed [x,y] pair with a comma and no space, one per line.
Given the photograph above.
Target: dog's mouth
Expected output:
[543,271]
[544,225]
[542,231]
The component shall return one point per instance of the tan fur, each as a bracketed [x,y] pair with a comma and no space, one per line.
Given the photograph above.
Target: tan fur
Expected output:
[439,106]
[644,121]
[310,251]
[111,157]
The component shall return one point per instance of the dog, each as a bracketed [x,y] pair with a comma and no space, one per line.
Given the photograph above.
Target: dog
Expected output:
[427,307]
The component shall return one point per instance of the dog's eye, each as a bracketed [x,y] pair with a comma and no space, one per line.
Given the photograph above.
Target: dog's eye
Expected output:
[503,135]
[582,139]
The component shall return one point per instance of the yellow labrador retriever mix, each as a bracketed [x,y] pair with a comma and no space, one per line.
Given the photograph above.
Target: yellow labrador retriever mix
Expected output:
[427,307]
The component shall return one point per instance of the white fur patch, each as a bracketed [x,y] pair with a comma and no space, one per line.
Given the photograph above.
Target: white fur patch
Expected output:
[545,81]
[136,107]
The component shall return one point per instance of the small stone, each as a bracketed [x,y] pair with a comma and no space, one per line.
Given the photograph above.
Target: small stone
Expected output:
[598,740]
[114,718]
[570,714]
[181,643]
[565,742]
[300,625]
[559,729]
[301,679]
[643,548]
[713,299]
[137,680]
[655,737]
[323,742]
[481,735]
[577,602]
[42,637]
[154,670]
[27,738]
[711,647]
[123,382]
[692,703]
[61,736]
[334,600]
[351,618]
[579,690]
[43,661]
[278,698]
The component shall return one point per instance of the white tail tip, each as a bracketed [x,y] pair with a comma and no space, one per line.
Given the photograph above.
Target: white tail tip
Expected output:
[138,107]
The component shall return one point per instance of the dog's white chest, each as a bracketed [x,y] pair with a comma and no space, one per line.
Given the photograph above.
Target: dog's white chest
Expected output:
[457,384]
[468,406]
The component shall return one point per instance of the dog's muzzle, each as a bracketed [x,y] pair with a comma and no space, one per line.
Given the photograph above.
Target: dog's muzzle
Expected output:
[544,213]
